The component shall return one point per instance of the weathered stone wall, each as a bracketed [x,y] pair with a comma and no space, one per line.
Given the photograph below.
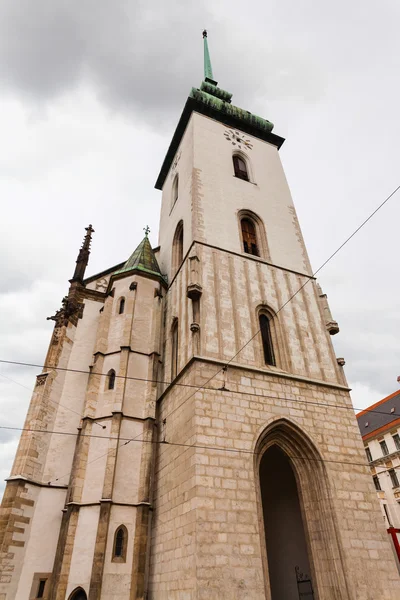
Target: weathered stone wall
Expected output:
[208,539]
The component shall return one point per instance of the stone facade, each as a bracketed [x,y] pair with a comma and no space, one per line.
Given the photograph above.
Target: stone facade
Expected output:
[171,448]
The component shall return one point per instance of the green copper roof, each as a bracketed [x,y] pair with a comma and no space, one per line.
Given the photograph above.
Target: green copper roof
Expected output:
[208,74]
[142,259]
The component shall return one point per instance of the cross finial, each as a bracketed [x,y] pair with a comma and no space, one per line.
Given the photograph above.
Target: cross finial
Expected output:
[146,230]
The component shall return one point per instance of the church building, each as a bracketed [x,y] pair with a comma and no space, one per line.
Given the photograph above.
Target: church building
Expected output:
[191,436]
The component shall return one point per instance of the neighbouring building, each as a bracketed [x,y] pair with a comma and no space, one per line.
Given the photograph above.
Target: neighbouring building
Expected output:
[380,430]
[191,436]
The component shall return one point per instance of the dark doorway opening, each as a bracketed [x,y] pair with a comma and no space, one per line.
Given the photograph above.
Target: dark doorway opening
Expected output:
[284,528]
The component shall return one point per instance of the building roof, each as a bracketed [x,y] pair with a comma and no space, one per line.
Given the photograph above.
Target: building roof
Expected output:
[380,416]
[143,259]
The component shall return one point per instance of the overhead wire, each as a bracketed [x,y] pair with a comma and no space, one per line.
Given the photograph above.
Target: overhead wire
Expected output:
[177,444]
[211,389]
[310,277]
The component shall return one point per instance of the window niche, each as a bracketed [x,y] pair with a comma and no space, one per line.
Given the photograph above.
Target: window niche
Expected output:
[174,349]
[110,383]
[252,234]
[272,344]
[177,248]
[121,306]
[240,167]
[120,544]
[175,191]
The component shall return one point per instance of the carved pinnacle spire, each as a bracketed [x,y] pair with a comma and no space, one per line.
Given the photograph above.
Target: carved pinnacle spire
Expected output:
[83,256]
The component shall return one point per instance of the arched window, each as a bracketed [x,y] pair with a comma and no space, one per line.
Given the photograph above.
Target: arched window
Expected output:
[266,336]
[78,594]
[121,307]
[175,191]
[120,544]
[111,379]
[177,248]
[174,349]
[240,167]
[249,237]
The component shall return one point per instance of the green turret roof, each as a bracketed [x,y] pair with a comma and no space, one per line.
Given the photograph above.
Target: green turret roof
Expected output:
[143,259]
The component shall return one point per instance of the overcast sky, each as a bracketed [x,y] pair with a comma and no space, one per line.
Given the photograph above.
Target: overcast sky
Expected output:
[90,95]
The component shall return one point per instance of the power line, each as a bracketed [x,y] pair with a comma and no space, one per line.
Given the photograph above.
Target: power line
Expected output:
[177,444]
[49,399]
[293,295]
[203,387]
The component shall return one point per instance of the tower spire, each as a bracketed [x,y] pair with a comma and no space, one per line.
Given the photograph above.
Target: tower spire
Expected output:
[208,74]
[83,256]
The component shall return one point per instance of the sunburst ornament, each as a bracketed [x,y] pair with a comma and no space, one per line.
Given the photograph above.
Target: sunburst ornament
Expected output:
[238,139]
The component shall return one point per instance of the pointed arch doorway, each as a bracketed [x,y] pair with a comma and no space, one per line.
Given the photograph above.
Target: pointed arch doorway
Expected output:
[297,518]
[78,594]
[287,551]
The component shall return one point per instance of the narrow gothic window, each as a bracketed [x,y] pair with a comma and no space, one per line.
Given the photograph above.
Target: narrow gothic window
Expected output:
[368,453]
[240,167]
[120,543]
[111,379]
[396,440]
[175,191]
[174,350]
[121,306]
[249,237]
[266,337]
[177,248]
[78,594]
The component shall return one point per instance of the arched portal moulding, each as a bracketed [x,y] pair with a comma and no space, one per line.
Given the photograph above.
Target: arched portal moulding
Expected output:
[328,570]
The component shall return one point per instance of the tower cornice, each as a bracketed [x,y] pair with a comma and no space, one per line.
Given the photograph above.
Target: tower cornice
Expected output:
[222,111]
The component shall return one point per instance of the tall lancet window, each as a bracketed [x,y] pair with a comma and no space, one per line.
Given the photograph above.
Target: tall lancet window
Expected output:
[120,544]
[249,237]
[121,307]
[266,336]
[240,167]
[174,350]
[111,379]
[177,248]
[175,191]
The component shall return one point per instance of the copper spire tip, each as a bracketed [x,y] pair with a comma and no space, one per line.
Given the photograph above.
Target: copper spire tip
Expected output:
[204,33]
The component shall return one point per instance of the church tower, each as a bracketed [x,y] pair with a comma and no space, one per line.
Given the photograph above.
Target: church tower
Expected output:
[191,436]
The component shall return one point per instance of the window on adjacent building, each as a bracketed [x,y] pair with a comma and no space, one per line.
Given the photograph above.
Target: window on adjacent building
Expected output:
[249,237]
[394,478]
[368,453]
[41,587]
[265,329]
[384,448]
[376,483]
[385,508]
[120,544]
[121,306]
[111,379]
[240,167]
[396,439]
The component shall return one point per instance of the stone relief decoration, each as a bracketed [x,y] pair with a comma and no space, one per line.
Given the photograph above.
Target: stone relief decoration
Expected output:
[41,379]
[70,311]
[102,284]
[238,139]
[175,163]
